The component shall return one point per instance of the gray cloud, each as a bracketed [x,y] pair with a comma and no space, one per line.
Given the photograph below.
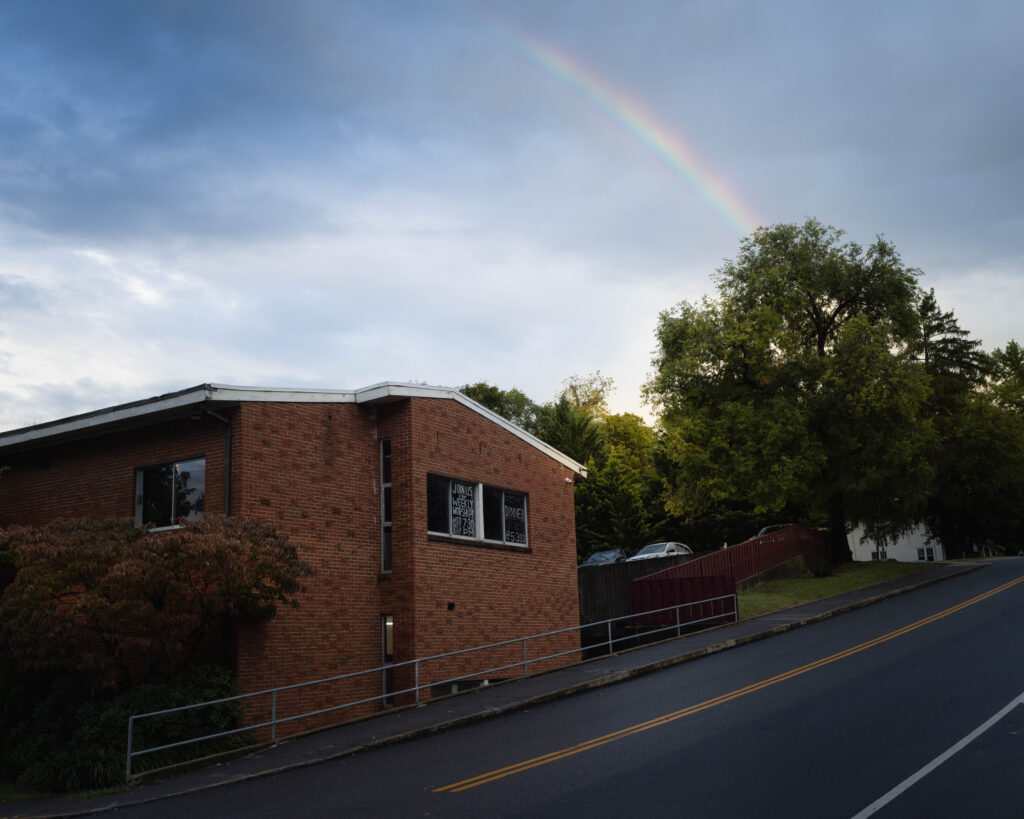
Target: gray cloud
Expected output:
[335,193]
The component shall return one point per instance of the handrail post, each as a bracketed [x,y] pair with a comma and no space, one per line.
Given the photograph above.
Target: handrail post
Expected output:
[273,718]
[128,757]
[678,631]
[609,636]
[416,678]
[526,665]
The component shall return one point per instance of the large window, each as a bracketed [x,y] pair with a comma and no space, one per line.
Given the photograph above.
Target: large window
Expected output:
[387,639]
[475,510]
[166,493]
[385,505]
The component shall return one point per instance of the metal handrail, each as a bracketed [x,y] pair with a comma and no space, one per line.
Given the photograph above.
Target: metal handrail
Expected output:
[417,687]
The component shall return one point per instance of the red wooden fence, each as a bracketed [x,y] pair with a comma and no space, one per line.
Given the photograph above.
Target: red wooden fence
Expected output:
[715,575]
[657,592]
[755,556]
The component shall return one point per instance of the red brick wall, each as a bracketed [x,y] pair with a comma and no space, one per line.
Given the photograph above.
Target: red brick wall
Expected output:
[95,477]
[499,593]
[313,470]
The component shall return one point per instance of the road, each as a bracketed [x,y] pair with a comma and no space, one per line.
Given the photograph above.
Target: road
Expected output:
[911,707]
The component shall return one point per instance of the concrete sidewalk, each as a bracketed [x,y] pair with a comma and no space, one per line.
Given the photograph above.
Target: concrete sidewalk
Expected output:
[483,703]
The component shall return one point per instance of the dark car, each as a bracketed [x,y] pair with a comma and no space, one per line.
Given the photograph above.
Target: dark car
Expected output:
[605,557]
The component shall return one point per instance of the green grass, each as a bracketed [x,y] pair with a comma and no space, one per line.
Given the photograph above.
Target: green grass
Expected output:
[781,594]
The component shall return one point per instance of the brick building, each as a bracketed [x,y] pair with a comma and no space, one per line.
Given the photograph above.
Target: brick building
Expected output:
[431,523]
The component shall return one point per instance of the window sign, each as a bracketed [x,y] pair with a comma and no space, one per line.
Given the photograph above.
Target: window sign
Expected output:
[515,518]
[463,509]
[473,510]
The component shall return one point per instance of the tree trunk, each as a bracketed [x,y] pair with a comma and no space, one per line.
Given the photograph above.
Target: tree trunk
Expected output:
[839,545]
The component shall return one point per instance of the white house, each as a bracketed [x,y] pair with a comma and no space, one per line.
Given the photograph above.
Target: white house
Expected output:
[908,548]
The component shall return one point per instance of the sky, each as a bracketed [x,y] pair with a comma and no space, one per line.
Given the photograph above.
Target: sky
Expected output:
[331,194]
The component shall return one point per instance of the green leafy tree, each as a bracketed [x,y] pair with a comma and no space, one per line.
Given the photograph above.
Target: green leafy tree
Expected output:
[610,509]
[796,390]
[589,393]
[570,430]
[1007,385]
[978,495]
[513,405]
[953,360]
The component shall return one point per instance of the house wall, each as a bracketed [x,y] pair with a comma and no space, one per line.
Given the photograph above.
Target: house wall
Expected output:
[95,477]
[469,593]
[313,470]
[904,549]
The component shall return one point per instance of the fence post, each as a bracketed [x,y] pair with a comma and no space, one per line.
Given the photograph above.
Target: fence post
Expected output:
[128,757]
[416,679]
[526,664]
[273,718]
[678,632]
[609,636]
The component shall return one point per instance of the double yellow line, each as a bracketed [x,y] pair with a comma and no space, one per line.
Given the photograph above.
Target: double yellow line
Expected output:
[572,750]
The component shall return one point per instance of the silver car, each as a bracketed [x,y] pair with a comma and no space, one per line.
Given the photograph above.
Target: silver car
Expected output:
[666,549]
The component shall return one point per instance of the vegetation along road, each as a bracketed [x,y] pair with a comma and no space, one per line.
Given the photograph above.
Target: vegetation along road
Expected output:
[911,707]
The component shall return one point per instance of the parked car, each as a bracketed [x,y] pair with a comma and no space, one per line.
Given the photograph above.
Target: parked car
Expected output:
[603,558]
[773,528]
[662,550]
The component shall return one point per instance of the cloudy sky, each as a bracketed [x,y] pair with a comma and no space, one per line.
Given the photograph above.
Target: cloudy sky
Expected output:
[322,193]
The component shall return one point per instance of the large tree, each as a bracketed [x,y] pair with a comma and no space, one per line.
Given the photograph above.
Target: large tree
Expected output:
[796,388]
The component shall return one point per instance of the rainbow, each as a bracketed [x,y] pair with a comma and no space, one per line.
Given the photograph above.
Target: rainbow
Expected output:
[643,125]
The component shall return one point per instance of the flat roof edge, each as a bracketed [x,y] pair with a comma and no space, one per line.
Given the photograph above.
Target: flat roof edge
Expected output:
[108,415]
[375,393]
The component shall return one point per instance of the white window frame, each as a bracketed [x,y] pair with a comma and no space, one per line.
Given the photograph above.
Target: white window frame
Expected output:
[139,488]
[386,521]
[478,514]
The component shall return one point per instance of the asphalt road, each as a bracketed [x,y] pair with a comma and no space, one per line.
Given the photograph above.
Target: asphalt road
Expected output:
[835,719]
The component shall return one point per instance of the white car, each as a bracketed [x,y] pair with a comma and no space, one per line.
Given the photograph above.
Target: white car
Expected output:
[662,550]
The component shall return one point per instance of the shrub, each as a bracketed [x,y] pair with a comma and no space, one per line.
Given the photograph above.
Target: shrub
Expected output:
[66,740]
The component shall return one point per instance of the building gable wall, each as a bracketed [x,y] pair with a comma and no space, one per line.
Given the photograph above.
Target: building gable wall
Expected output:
[313,470]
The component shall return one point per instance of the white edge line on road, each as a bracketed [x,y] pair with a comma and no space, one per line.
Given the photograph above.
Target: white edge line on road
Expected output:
[907,783]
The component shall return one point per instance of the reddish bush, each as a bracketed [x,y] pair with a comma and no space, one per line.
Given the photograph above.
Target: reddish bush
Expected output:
[98,596]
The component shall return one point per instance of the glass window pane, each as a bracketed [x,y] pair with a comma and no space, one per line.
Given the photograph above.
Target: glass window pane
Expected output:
[437,504]
[385,458]
[385,550]
[492,513]
[157,491]
[463,509]
[387,504]
[515,517]
[190,489]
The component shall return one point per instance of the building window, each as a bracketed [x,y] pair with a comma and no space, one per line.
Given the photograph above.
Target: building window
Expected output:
[387,639]
[385,505]
[167,493]
[475,510]
[927,553]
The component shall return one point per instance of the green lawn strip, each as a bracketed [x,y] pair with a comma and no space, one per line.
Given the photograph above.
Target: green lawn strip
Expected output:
[782,594]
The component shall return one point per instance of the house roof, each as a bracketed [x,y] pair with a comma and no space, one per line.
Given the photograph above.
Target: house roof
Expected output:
[212,396]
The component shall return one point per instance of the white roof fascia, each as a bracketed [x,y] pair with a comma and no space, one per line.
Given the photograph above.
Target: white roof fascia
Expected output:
[124,412]
[388,389]
[226,393]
